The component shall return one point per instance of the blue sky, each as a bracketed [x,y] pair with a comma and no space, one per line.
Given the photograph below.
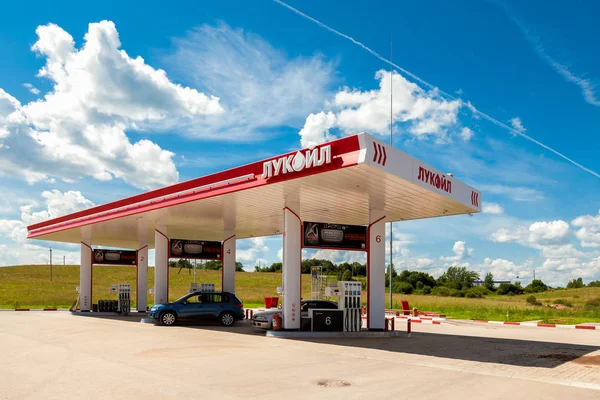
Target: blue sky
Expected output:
[246,80]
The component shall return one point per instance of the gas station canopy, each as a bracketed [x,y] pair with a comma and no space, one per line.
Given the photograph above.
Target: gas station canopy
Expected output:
[336,182]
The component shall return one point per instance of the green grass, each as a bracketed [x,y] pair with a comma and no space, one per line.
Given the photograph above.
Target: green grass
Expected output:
[30,287]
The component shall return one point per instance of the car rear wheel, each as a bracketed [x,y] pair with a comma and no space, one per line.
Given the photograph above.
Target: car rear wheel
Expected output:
[227,319]
[168,318]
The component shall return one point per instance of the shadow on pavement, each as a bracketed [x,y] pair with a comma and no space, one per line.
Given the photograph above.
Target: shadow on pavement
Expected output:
[241,327]
[524,353]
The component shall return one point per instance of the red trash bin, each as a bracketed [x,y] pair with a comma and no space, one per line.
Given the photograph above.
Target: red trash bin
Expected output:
[271,302]
[267,302]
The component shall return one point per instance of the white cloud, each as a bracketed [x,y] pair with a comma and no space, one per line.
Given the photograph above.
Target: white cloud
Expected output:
[32,89]
[250,251]
[99,92]
[507,270]
[57,204]
[517,193]
[517,124]
[536,235]
[562,251]
[316,129]
[422,113]
[461,252]
[492,208]
[466,134]
[589,230]
[260,86]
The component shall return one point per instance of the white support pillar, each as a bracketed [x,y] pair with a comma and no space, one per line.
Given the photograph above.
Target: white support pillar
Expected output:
[376,271]
[85,272]
[141,290]
[292,268]
[228,258]
[141,293]
[161,264]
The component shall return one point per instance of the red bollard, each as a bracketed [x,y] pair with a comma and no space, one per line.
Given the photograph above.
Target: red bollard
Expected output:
[408,327]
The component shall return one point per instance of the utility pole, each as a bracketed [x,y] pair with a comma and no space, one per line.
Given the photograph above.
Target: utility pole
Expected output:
[194,270]
[50,264]
[64,260]
[391,145]
[534,274]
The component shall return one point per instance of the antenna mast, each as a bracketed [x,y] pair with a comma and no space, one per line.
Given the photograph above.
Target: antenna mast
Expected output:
[391,145]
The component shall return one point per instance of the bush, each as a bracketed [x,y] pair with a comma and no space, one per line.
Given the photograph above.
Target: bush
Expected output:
[575,284]
[533,301]
[594,284]
[347,275]
[484,291]
[509,288]
[564,302]
[473,294]
[402,287]
[536,286]
[593,305]
[440,291]
[457,293]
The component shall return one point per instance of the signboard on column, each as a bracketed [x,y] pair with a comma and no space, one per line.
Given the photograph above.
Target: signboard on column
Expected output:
[115,257]
[334,236]
[194,249]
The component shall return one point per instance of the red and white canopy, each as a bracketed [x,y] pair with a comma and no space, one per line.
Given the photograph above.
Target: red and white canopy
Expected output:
[335,182]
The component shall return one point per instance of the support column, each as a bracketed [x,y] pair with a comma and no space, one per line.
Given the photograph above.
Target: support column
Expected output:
[376,271]
[228,270]
[141,293]
[85,272]
[161,264]
[292,268]
[141,290]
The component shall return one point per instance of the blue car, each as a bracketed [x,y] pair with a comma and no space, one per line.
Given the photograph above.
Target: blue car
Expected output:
[223,306]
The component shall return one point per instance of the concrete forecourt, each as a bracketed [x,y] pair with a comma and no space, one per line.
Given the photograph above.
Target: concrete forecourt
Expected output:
[56,355]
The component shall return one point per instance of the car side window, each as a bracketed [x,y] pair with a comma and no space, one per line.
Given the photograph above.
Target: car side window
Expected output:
[193,299]
[212,298]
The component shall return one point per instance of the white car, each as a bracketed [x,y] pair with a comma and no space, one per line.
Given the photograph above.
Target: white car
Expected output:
[264,320]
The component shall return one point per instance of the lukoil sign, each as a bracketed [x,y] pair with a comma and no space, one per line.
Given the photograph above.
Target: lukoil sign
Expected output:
[297,162]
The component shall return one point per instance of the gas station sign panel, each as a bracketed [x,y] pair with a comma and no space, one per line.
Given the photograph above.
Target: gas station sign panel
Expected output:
[334,236]
[194,249]
[115,257]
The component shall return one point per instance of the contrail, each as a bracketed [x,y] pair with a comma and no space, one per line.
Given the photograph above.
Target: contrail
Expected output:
[424,82]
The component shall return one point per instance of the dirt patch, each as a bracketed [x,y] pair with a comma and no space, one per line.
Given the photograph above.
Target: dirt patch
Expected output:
[588,360]
[332,383]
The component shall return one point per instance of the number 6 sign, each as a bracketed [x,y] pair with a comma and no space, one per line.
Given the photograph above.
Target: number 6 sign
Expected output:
[378,238]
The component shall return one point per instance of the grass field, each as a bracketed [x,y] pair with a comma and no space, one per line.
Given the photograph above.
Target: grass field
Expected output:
[30,286]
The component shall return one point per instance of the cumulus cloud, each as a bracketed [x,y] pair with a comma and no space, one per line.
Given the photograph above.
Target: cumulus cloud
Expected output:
[250,251]
[536,235]
[492,208]
[517,124]
[99,92]
[422,113]
[316,129]
[260,86]
[466,134]
[57,204]
[461,252]
[507,270]
[589,230]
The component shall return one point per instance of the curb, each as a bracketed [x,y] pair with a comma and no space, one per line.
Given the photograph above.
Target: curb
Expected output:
[37,309]
[534,324]
[22,309]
